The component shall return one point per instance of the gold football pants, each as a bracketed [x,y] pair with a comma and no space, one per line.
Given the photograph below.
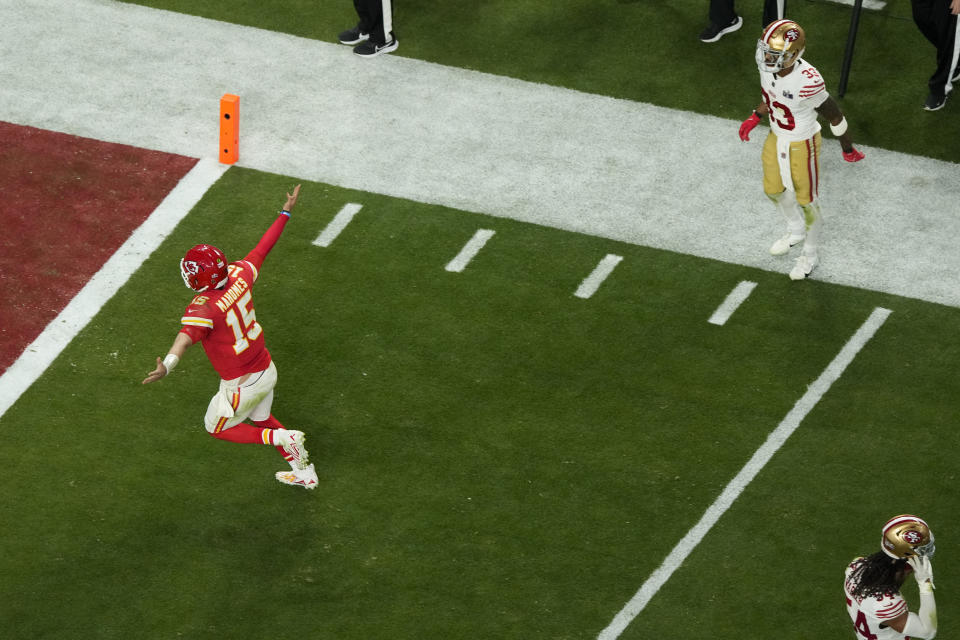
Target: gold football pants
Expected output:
[804,163]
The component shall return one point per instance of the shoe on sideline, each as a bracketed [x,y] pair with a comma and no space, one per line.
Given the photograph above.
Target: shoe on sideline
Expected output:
[782,244]
[803,266]
[714,32]
[934,102]
[353,36]
[370,49]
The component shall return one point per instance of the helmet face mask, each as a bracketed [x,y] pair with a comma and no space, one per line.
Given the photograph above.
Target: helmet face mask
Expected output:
[204,266]
[780,46]
[906,536]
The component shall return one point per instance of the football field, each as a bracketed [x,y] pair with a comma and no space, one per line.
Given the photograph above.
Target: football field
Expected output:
[498,456]
[522,429]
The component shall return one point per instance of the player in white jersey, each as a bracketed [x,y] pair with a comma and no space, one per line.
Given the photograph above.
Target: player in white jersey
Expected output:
[794,96]
[872,584]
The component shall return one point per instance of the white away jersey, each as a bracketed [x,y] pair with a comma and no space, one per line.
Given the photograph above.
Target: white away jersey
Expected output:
[867,614]
[793,100]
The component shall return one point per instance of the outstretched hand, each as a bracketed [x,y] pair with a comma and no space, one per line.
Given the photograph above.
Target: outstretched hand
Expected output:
[156,374]
[292,199]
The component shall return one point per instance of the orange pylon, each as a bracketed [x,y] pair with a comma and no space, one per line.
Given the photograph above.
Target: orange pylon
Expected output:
[229,128]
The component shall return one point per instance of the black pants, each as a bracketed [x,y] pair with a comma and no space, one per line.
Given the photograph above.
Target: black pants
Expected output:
[938,26]
[376,18]
[722,12]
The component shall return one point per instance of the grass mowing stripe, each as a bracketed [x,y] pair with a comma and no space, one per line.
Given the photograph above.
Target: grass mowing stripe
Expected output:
[470,250]
[736,297]
[338,224]
[101,287]
[749,471]
[592,282]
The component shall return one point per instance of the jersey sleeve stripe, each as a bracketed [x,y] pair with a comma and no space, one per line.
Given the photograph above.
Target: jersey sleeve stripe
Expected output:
[811,90]
[195,321]
[892,611]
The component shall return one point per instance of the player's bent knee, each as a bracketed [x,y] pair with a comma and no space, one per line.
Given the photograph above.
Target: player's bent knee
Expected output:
[216,424]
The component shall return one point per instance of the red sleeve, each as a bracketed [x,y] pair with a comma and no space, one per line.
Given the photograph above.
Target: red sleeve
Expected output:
[259,253]
[195,333]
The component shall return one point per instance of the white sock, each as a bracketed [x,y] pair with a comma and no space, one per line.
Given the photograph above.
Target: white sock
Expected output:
[814,224]
[786,204]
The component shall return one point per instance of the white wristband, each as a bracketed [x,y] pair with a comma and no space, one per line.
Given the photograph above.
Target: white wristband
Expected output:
[839,129]
[170,362]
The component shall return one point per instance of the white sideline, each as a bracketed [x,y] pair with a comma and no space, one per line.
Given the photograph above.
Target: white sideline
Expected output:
[488,144]
[732,302]
[470,250]
[749,471]
[104,284]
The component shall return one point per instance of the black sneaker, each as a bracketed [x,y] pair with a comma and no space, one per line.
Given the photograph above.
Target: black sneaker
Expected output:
[372,49]
[956,74]
[353,36]
[715,32]
[934,103]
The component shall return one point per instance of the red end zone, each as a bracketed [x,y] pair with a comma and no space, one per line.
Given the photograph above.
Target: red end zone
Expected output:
[66,205]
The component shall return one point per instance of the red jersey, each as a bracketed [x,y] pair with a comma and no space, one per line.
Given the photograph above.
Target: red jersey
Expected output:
[224,319]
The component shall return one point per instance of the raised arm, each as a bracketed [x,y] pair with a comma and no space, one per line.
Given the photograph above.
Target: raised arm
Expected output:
[259,253]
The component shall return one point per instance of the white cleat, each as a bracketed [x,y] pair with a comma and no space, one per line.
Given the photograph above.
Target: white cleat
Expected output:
[292,442]
[782,245]
[306,478]
[803,266]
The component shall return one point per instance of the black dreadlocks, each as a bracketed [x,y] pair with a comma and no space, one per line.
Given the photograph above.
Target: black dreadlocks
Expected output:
[877,575]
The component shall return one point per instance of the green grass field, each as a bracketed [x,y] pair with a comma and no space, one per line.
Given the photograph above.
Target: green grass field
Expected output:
[498,458]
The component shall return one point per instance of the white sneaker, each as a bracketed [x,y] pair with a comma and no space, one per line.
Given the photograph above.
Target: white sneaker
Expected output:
[292,442]
[783,244]
[803,267]
[306,478]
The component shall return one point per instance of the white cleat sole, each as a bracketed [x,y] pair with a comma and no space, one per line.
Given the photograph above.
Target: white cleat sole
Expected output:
[306,478]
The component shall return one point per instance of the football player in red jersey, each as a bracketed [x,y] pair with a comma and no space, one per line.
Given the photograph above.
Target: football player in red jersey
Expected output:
[222,318]
[872,584]
[794,95]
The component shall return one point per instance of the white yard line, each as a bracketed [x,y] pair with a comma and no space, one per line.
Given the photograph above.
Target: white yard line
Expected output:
[104,284]
[733,301]
[592,282]
[338,224]
[470,250]
[750,470]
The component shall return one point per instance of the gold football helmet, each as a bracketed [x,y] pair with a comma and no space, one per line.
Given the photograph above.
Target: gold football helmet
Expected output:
[780,46]
[905,536]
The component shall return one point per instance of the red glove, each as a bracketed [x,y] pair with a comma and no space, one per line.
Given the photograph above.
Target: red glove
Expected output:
[853,155]
[748,126]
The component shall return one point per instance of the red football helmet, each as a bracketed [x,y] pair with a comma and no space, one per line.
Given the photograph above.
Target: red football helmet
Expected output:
[203,267]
